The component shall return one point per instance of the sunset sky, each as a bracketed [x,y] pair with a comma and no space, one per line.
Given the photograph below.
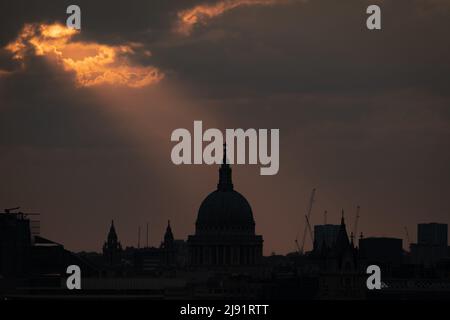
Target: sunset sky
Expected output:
[86,116]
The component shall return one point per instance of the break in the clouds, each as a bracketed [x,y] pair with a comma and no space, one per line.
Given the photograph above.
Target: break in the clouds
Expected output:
[93,63]
[202,13]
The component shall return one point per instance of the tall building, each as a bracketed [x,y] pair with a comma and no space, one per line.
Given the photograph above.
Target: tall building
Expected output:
[432,244]
[225,228]
[112,249]
[432,234]
[15,244]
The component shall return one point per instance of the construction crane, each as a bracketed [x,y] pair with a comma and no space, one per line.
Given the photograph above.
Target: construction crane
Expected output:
[309,229]
[355,226]
[308,215]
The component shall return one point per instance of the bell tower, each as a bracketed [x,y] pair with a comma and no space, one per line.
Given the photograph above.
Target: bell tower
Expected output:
[112,248]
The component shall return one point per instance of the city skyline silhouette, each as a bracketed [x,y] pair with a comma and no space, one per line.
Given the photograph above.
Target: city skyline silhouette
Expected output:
[87,117]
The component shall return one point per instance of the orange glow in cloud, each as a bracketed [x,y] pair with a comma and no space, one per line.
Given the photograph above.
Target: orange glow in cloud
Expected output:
[201,14]
[93,63]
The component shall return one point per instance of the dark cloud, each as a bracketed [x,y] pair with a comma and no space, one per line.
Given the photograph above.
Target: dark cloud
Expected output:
[317,46]
[108,21]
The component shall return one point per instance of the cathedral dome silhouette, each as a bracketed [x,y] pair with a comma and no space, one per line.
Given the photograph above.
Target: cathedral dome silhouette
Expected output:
[225,210]
[225,229]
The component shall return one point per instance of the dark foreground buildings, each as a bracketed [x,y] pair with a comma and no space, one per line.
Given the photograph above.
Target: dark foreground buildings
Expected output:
[28,260]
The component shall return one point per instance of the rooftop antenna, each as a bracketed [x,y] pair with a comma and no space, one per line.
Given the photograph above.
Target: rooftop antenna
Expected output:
[355,226]
[325,217]
[147,234]
[139,237]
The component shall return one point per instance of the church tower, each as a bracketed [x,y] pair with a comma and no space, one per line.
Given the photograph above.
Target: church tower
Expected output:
[168,246]
[112,249]
[168,236]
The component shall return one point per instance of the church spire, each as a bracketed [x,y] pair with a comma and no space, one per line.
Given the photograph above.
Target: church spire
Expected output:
[342,241]
[112,247]
[168,235]
[225,182]
[112,231]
